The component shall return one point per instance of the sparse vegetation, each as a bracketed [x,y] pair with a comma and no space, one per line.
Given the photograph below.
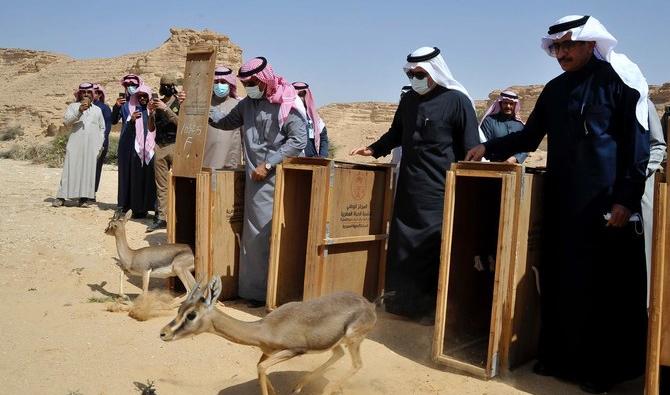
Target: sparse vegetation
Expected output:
[75,392]
[97,299]
[52,153]
[11,133]
[146,389]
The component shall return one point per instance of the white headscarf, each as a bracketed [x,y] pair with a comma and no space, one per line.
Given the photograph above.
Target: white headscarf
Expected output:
[437,68]
[628,71]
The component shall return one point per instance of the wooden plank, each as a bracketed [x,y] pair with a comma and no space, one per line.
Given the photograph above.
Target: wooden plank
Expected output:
[521,314]
[203,207]
[357,203]
[656,296]
[171,210]
[389,195]
[500,167]
[354,239]
[227,187]
[277,221]
[351,267]
[503,257]
[462,366]
[316,228]
[445,261]
[194,111]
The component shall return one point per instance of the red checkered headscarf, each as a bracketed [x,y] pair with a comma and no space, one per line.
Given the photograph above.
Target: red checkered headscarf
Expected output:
[277,90]
[311,111]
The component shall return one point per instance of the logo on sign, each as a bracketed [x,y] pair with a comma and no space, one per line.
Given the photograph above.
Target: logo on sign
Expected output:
[358,187]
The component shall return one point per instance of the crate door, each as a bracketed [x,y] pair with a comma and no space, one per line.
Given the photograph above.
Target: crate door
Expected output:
[478,222]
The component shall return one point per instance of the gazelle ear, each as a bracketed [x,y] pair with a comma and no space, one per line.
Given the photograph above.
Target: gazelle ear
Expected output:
[214,291]
[129,214]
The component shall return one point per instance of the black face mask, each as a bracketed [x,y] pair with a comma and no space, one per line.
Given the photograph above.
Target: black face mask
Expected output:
[167,90]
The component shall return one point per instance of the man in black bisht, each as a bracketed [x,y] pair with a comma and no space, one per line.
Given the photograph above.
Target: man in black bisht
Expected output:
[593,275]
[164,117]
[435,124]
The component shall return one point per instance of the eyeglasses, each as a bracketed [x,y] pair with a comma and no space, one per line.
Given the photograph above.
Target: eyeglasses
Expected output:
[555,48]
[419,75]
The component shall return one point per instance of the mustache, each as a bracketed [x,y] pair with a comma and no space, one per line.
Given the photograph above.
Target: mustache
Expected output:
[564,59]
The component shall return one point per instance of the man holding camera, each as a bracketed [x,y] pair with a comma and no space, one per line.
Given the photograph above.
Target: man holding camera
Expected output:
[163,117]
[83,147]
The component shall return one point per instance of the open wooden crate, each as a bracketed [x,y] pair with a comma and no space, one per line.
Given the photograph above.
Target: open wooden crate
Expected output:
[487,316]
[329,229]
[657,380]
[205,207]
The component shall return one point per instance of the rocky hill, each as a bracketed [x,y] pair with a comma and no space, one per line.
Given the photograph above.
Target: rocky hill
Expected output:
[37,86]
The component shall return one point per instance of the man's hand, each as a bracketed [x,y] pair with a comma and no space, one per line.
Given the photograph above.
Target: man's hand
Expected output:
[151,107]
[363,151]
[120,101]
[476,153]
[135,115]
[85,105]
[620,216]
[181,96]
[260,172]
[158,104]
[512,159]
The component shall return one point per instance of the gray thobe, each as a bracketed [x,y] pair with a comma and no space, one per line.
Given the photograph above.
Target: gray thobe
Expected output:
[500,125]
[264,141]
[84,144]
[223,148]
[656,157]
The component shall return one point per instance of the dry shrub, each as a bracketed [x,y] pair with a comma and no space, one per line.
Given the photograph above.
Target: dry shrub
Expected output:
[11,133]
[150,305]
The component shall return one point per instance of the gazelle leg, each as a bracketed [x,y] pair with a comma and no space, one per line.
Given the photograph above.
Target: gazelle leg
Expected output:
[146,276]
[354,347]
[265,362]
[338,352]
[122,279]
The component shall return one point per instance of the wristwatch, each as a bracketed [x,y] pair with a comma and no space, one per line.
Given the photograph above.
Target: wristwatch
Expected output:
[268,166]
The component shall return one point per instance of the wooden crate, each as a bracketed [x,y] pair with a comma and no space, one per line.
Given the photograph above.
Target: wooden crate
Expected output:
[329,229]
[206,213]
[488,319]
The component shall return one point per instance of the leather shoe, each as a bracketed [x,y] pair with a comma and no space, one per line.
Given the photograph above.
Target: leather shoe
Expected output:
[160,224]
[58,202]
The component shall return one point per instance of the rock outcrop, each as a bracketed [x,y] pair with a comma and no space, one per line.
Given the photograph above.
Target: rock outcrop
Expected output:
[37,86]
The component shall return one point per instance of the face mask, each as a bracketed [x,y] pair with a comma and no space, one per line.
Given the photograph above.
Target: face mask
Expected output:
[254,92]
[221,90]
[420,86]
[132,89]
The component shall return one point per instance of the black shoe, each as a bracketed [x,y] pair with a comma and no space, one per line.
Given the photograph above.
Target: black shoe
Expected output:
[58,202]
[595,387]
[83,202]
[253,303]
[160,224]
[541,369]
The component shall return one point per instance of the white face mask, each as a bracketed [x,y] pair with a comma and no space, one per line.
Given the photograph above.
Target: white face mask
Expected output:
[254,92]
[132,90]
[420,86]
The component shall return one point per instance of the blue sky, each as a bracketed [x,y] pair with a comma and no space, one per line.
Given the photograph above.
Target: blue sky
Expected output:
[350,50]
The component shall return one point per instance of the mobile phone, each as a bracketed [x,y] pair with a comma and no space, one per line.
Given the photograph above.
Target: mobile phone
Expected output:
[122,95]
[154,96]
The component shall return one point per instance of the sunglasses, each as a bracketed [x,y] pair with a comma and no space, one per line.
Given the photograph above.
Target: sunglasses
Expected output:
[419,75]
[127,84]
[555,48]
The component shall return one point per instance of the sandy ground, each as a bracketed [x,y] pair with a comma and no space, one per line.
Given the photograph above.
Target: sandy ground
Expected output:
[55,340]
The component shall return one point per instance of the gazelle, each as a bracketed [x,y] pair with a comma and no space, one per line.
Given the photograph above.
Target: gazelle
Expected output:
[159,261]
[296,328]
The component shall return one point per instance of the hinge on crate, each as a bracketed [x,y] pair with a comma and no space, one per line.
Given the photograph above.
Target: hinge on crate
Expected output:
[332,173]
[494,365]
[327,230]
